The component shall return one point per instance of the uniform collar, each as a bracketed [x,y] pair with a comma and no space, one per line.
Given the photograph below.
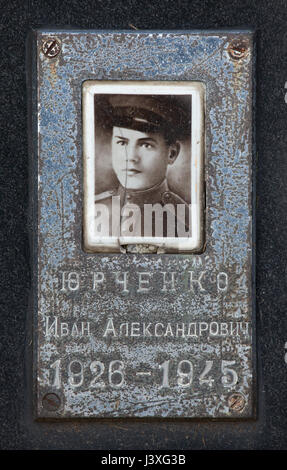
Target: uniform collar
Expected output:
[146,196]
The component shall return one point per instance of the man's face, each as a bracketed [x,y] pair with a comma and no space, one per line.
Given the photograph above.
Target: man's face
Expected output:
[140,159]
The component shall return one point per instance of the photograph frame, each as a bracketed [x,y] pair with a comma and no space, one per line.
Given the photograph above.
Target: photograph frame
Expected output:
[196,90]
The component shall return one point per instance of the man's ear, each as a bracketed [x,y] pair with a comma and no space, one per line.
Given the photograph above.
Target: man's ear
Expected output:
[174,150]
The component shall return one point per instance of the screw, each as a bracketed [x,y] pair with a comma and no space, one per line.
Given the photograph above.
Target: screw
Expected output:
[51,47]
[236,402]
[237,50]
[51,402]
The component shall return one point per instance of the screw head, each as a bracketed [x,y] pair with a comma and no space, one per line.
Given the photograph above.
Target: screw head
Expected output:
[237,50]
[51,47]
[236,402]
[51,402]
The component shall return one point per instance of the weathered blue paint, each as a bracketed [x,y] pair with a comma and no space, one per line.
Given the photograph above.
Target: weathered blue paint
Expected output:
[228,226]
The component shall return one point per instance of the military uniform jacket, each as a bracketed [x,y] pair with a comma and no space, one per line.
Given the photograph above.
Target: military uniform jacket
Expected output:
[156,211]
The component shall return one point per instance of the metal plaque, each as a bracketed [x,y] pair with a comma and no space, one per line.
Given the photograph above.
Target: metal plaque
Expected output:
[142,224]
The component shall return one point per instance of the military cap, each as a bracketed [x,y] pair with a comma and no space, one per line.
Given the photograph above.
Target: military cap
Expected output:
[167,114]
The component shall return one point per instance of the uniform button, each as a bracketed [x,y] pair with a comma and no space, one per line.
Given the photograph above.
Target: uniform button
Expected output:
[166,197]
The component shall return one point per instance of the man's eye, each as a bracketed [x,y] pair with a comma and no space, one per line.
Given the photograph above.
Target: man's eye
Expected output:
[122,142]
[146,145]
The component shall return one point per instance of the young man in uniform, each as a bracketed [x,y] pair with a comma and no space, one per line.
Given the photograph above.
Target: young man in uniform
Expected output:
[145,130]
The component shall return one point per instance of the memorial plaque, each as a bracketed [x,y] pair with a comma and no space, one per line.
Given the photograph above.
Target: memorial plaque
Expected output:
[142,217]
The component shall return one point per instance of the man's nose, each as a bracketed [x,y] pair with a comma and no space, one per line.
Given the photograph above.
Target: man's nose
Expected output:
[133,154]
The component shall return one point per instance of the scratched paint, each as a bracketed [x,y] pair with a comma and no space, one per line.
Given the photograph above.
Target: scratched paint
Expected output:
[77,354]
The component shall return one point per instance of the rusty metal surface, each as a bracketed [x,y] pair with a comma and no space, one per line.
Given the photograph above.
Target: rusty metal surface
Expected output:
[99,345]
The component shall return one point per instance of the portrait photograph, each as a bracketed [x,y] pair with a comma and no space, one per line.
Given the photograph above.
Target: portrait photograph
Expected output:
[143,162]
